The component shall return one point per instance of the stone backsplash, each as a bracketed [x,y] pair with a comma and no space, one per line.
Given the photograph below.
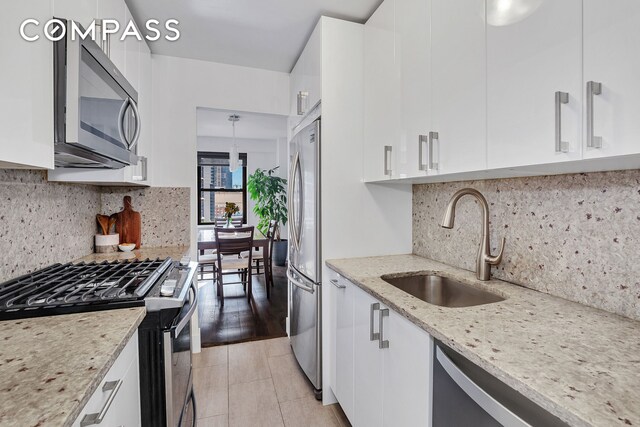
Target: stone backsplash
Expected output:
[42,223]
[164,212]
[573,236]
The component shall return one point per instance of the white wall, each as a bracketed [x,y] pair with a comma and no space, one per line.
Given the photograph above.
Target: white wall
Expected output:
[179,87]
[260,154]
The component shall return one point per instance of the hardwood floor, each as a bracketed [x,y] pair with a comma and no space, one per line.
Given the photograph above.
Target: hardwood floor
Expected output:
[257,384]
[240,320]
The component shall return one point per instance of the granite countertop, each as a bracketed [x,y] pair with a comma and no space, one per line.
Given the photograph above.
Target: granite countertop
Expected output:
[175,252]
[50,366]
[580,363]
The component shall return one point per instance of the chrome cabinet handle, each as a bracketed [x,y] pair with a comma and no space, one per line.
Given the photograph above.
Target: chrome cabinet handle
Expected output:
[335,283]
[422,139]
[373,335]
[382,343]
[593,88]
[143,169]
[434,138]
[105,42]
[96,418]
[561,98]
[387,159]
[302,97]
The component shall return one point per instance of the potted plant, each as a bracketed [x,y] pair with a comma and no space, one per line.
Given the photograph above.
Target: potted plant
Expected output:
[270,194]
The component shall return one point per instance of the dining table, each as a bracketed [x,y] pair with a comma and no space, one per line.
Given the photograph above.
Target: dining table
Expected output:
[207,241]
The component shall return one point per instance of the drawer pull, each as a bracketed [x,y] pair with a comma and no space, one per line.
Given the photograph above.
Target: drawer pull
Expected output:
[337,284]
[373,335]
[96,418]
[593,88]
[561,98]
[382,343]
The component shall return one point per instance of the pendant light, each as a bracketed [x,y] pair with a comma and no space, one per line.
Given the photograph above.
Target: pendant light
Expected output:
[234,157]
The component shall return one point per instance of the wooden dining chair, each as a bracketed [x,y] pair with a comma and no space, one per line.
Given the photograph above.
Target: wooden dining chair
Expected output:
[208,259]
[258,257]
[230,243]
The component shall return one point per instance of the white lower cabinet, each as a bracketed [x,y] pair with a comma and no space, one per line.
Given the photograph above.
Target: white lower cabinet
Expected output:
[117,398]
[382,362]
[407,371]
[342,378]
[368,360]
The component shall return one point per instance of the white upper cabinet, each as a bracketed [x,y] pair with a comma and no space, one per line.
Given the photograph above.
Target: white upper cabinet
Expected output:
[532,55]
[115,9]
[26,90]
[132,48]
[82,11]
[382,155]
[612,59]
[458,85]
[412,50]
[305,87]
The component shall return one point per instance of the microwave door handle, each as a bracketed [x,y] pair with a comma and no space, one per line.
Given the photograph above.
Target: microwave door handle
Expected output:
[121,114]
[136,113]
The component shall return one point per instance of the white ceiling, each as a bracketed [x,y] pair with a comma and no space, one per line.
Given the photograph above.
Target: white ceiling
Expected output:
[215,123]
[267,34]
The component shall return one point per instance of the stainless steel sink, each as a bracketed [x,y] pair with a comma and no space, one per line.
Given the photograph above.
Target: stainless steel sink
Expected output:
[442,291]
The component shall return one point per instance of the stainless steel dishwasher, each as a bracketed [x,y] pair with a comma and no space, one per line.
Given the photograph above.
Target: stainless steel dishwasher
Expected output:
[465,395]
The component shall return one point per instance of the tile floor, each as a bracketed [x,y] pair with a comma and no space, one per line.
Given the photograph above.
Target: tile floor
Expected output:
[257,383]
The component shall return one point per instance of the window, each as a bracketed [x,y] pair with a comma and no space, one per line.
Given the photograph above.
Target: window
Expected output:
[218,185]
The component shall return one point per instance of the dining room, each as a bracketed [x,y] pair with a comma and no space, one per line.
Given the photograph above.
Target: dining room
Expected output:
[242,232]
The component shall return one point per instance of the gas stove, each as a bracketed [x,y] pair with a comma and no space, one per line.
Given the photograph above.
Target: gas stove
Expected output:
[72,288]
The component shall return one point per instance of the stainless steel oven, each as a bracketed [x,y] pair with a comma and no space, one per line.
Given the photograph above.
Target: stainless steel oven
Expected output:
[180,402]
[97,123]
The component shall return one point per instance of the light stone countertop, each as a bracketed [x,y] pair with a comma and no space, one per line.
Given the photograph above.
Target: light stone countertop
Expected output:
[175,252]
[579,363]
[50,366]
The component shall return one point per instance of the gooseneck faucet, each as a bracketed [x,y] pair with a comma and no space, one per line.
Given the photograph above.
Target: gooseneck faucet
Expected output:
[485,260]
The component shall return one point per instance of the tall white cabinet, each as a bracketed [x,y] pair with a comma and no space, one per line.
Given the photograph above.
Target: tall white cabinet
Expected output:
[383,156]
[412,49]
[612,59]
[458,85]
[338,54]
[382,361]
[534,85]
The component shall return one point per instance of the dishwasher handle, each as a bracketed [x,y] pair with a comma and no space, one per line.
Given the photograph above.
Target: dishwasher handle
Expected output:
[483,399]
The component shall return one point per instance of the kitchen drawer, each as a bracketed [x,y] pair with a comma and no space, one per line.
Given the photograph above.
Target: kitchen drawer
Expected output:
[124,409]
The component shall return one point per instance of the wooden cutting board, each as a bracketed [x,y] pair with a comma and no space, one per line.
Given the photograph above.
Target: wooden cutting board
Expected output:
[129,224]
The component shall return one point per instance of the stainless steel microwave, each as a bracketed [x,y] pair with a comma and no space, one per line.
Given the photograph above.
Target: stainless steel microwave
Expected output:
[96,118]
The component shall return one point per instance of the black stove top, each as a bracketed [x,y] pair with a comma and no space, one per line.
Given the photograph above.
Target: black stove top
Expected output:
[67,288]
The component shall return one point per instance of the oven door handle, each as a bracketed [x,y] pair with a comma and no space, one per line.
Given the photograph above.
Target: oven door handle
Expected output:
[194,306]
